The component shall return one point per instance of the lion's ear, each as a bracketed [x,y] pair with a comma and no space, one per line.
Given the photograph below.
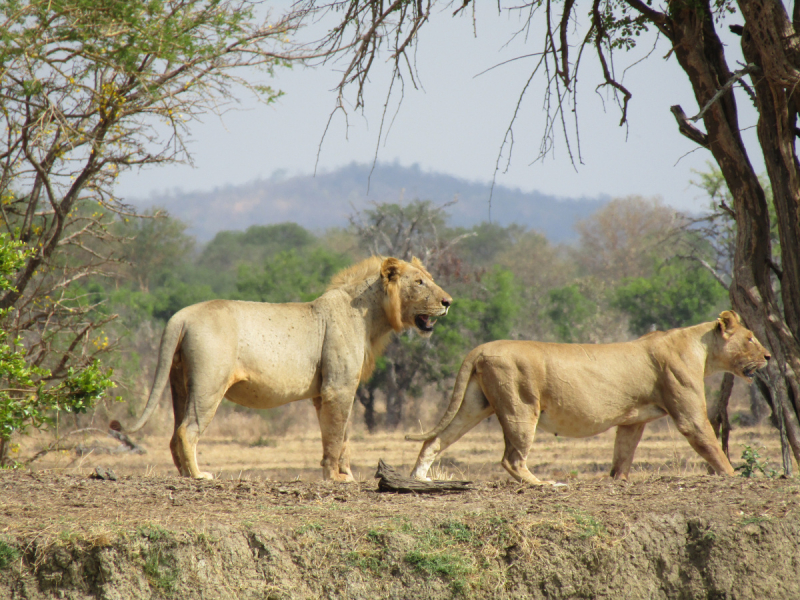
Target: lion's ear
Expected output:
[390,270]
[417,263]
[728,321]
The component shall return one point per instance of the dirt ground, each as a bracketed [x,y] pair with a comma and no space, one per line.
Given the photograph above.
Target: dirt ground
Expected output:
[268,527]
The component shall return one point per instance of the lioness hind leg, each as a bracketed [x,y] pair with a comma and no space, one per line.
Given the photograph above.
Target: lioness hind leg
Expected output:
[517,408]
[515,458]
[628,437]
[474,409]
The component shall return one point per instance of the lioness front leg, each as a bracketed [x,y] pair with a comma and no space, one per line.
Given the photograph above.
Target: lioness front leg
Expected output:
[628,437]
[334,412]
[701,437]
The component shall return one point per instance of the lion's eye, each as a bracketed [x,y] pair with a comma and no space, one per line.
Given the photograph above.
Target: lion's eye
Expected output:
[420,282]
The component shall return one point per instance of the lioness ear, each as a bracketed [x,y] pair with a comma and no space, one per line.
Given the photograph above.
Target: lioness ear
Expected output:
[390,274]
[727,322]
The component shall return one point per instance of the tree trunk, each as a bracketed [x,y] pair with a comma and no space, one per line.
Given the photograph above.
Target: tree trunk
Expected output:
[5,445]
[395,398]
[701,55]
[759,409]
[366,395]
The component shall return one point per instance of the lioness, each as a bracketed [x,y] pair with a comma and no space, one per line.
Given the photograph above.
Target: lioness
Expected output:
[264,355]
[580,390]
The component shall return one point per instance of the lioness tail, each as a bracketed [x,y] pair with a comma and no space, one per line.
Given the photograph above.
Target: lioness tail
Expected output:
[456,399]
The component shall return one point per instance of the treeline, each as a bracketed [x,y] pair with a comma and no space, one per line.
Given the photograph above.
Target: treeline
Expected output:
[638,266]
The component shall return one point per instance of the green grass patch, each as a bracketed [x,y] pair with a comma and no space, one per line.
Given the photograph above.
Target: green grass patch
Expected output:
[308,527]
[458,532]
[589,526]
[754,520]
[8,554]
[447,564]
[369,562]
[264,442]
[155,533]
[160,566]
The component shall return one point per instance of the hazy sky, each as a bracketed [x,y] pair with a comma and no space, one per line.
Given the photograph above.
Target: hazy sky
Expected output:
[456,122]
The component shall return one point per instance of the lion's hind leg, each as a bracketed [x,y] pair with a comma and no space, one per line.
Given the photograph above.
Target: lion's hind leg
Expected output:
[474,409]
[198,404]
[180,397]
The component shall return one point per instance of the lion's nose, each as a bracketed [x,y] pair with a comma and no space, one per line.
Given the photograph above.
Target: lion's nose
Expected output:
[447,302]
[767,356]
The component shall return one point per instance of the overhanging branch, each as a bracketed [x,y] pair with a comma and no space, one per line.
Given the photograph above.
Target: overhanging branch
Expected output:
[737,75]
[687,129]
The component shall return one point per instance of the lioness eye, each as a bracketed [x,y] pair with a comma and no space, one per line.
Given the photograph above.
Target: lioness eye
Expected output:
[419,281]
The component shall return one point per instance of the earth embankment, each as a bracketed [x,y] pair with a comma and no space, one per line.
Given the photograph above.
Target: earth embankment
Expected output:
[69,536]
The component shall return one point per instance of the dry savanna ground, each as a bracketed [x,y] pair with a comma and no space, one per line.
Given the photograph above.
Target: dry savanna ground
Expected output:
[243,444]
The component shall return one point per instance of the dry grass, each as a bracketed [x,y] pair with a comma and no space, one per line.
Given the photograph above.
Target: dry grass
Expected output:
[284,445]
[237,446]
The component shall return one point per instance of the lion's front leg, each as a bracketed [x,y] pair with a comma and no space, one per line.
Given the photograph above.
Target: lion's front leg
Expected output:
[333,412]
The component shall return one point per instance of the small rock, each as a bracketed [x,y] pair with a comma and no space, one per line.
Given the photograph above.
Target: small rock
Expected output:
[104,474]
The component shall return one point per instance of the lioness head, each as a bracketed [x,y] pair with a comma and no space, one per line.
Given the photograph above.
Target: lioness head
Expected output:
[412,298]
[738,350]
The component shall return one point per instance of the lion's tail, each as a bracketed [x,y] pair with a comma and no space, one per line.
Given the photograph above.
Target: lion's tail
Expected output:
[456,400]
[170,341]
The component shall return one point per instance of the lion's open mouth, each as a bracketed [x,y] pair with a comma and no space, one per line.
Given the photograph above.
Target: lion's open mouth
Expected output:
[424,323]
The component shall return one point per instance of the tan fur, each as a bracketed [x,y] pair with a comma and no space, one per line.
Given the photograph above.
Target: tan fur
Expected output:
[264,355]
[580,390]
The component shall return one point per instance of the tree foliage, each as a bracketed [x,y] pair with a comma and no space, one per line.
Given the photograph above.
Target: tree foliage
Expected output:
[676,295]
[27,395]
[290,276]
[88,90]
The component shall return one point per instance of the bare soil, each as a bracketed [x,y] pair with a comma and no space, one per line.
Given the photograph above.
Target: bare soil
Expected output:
[269,528]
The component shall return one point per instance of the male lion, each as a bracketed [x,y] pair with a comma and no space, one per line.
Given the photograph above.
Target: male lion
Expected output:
[580,390]
[264,355]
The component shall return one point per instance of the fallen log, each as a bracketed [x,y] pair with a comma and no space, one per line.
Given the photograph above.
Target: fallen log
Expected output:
[389,480]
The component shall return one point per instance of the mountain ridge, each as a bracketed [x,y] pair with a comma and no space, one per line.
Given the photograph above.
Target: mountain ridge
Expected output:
[325,200]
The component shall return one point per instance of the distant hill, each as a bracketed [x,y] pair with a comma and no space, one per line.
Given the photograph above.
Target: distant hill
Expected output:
[326,200]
